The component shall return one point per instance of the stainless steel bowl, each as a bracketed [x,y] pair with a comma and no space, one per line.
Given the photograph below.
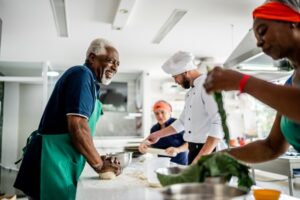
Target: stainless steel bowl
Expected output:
[170,170]
[124,158]
[203,191]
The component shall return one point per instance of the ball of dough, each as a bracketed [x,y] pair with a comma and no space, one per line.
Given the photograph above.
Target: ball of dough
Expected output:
[107,175]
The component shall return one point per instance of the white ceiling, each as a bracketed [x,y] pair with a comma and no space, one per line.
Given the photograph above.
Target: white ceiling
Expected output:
[29,32]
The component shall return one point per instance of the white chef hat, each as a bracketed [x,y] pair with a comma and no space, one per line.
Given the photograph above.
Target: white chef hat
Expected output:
[180,62]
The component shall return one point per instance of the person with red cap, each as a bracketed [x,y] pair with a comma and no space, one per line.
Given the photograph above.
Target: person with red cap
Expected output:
[174,145]
[277,30]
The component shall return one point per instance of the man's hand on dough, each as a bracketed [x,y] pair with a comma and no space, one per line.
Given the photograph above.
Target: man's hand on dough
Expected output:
[111,164]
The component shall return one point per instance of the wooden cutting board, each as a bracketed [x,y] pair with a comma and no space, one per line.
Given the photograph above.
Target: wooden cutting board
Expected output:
[157,151]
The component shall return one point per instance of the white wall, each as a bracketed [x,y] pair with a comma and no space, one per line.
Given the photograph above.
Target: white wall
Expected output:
[10,124]
[146,85]
[22,111]
[30,111]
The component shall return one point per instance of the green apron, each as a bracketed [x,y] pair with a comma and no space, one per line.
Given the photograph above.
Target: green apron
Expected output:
[291,129]
[62,164]
[291,132]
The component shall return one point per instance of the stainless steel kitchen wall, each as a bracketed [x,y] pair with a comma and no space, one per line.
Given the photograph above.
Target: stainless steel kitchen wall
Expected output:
[126,123]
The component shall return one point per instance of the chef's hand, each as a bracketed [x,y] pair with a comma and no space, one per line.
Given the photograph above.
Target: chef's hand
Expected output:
[111,164]
[143,147]
[172,151]
[195,161]
[222,79]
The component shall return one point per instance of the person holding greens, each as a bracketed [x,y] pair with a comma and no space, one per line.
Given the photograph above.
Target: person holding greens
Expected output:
[277,30]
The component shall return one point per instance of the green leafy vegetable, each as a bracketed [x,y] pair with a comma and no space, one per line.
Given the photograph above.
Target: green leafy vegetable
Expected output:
[219,100]
[214,165]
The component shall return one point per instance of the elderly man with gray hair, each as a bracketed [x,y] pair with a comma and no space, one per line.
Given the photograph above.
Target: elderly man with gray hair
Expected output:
[55,154]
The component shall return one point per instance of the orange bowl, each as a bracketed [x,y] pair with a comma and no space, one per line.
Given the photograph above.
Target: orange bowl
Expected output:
[266,194]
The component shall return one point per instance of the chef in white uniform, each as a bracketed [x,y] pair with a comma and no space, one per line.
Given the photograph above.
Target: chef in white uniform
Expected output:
[200,118]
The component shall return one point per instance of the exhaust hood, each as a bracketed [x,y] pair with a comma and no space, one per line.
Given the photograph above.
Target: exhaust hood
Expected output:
[250,59]
[245,51]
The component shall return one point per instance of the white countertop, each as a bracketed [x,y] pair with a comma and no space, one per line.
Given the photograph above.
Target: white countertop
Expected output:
[130,185]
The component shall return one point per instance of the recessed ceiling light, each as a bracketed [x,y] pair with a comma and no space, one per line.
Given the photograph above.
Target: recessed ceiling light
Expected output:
[60,17]
[174,18]
[123,13]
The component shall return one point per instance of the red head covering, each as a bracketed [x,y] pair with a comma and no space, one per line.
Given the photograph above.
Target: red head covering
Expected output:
[162,105]
[276,11]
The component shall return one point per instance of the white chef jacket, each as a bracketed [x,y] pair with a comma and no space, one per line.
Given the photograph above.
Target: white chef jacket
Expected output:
[200,117]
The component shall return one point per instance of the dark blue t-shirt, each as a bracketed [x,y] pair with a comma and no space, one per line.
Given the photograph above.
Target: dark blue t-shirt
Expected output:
[175,140]
[74,93]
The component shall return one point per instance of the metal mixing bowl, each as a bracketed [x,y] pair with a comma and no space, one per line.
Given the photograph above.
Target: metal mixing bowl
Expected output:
[203,191]
[124,158]
[170,170]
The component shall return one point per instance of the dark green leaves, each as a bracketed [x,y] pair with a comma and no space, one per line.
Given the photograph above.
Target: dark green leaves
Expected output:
[219,100]
[213,165]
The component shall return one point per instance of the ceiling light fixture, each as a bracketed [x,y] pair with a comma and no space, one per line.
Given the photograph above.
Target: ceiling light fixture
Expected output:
[60,17]
[52,73]
[174,18]
[123,13]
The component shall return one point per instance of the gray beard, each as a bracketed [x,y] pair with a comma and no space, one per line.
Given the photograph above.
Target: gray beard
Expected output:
[105,81]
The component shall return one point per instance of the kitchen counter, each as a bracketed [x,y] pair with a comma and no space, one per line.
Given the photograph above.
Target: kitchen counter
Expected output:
[284,165]
[129,185]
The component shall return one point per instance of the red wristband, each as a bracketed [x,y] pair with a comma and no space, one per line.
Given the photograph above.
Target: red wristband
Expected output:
[243,82]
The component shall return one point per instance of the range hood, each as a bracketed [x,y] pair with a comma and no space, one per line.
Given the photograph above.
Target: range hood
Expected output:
[248,58]
[246,50]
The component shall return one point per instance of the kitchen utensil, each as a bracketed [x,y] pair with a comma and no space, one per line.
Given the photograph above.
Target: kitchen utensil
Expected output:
[170,170]
[266,194]
[157,151]
[124,158]
[203,191]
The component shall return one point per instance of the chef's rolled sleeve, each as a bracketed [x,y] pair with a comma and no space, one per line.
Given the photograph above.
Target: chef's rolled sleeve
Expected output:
[178,125]
[216,129]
